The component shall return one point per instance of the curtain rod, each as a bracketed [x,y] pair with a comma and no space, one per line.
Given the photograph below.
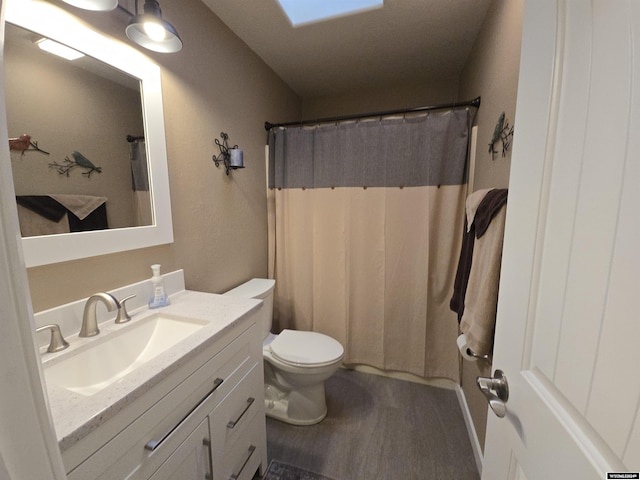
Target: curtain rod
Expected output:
[471,103]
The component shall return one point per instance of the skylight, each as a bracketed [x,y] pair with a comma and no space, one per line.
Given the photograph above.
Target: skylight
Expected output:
[301,12]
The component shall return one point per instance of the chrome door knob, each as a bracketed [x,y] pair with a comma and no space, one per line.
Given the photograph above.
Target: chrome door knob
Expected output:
[496,389]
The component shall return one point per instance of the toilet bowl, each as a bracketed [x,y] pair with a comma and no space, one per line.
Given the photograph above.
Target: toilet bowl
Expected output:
[296,363]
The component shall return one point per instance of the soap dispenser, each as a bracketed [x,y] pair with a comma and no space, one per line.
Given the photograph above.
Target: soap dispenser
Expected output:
[158,295]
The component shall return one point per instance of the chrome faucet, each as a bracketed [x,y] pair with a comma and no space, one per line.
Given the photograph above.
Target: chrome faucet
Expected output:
[89,320]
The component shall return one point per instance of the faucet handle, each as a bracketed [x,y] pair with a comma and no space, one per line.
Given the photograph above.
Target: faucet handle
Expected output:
[57,341]
[123,315]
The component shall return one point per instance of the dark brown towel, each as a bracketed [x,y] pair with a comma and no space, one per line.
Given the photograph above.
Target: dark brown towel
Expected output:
[52,210]
[490,205]
[488,208]
[462,273]
[43,205]
[96,220]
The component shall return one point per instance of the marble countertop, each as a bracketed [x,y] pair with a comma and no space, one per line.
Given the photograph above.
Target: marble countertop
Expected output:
[75,415]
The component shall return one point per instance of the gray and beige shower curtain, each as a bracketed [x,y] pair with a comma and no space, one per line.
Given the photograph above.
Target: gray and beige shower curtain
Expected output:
[365,224]
[143,214]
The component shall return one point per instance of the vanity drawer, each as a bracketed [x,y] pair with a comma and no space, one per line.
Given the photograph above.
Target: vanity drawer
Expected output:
[169,421]
[237,425]
[243,456]
[231,417]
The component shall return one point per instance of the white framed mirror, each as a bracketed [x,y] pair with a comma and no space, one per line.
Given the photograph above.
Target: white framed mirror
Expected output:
[45,19]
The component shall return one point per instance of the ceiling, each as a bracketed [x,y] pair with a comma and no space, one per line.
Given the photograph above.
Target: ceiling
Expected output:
[404,41]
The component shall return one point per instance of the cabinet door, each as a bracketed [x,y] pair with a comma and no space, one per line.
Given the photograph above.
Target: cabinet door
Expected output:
[191,460]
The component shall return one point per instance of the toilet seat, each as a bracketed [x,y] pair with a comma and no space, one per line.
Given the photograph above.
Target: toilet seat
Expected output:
[310,349]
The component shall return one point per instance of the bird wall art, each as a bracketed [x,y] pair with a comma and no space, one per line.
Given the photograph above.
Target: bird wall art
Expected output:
[23,143]
[79,160]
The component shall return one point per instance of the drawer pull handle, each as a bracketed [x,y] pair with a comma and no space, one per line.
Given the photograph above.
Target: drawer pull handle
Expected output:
[233,423]
[216,383]
[153,444]
[235,476]
[207,443]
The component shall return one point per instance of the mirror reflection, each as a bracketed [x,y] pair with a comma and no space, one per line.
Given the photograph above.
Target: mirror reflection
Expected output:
[77,141]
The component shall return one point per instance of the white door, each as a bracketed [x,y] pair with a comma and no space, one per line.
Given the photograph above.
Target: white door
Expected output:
[28,446]
[568,325]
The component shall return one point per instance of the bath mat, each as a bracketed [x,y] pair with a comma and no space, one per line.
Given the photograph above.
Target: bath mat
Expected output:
[282,471]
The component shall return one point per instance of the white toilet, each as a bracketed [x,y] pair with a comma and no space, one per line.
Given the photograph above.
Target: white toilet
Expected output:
[296,363]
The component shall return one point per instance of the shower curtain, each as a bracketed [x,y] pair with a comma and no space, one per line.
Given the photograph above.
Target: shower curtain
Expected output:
[365,223]
[143,214]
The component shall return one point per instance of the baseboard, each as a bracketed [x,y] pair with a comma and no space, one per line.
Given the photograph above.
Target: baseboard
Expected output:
[473,436]
[433,382]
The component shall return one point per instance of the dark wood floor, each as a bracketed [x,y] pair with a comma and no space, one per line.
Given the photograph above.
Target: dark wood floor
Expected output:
[379,428]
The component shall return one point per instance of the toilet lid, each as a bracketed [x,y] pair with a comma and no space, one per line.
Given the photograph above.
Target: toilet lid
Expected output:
[306,348]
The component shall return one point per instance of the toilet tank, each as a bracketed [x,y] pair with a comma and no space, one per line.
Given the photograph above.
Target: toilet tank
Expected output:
[259,288]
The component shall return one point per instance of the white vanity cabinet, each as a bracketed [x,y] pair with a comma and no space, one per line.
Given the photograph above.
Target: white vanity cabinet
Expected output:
[209,425]
[191,459]
[228,443]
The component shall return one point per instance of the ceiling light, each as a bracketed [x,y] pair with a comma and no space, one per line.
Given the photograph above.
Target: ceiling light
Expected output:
[151,31]
[309,11]
[95,5]
[58,49]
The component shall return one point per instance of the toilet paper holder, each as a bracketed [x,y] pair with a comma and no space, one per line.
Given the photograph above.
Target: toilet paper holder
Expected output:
[475,355]
[467,353]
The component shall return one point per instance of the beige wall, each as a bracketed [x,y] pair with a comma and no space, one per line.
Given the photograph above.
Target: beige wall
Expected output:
[392,97]
[216,83]
[492,73]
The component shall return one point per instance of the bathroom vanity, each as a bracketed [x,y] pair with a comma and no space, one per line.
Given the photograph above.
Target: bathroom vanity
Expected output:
[189,410]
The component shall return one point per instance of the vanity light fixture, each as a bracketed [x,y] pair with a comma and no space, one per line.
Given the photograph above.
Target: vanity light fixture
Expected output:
[58,49]
[231,157]
[151,31]
[95,5]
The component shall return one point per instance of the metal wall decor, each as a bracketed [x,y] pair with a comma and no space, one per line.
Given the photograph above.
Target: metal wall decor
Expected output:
[23,143]
[502,133]
[232,158]
[79,160]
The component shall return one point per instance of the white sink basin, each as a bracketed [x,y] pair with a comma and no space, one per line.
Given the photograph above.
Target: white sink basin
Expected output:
[110,358]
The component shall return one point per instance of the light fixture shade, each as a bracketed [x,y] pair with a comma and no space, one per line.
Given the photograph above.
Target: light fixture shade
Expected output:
[136,31]
[95,5]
